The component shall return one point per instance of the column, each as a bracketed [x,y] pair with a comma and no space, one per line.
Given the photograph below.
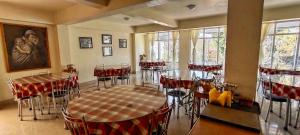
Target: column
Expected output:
[244,22]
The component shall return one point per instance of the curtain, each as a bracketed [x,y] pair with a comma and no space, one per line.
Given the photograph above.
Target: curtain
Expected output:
[175,36]
[151,38]
[194,36]
[264,33]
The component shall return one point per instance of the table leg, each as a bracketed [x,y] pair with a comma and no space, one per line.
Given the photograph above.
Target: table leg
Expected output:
[286,121]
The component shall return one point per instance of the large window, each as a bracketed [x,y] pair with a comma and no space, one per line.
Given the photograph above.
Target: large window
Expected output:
[162,48]
[210,47]
[280,48]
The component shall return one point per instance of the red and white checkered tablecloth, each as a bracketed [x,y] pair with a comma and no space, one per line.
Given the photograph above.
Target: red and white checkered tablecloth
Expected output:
[271,71]
[115,104]
[180,78]
[207,68]
[109,71]
[149,64]
[32,85]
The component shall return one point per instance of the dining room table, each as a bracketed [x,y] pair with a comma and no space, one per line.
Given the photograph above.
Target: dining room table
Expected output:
[39,84]
[118,103]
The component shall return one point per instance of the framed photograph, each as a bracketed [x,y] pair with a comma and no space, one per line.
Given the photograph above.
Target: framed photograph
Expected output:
[107,51]
[86,42]
[106,39]
[25,47]
[122,43]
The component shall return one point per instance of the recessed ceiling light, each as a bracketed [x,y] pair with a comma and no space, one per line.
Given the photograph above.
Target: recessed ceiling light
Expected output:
[191,6]
[126,18]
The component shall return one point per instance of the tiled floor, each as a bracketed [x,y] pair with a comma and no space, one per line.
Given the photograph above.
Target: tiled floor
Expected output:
[48,125]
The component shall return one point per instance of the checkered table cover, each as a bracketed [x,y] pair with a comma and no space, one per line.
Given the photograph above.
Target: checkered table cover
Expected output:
[109,71]
[270,71]
[149,64]
[208,68]
[181,79]
[118,103]
[32,85]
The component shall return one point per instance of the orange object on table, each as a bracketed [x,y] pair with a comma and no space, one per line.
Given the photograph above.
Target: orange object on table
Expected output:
[210,127]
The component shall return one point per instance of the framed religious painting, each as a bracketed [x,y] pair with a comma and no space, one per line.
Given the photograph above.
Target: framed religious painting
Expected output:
[25,47]
[107,51]
[106,39]
[122,43]
[85,42]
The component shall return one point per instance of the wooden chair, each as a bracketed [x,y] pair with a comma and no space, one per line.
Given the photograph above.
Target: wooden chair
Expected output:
[75,125]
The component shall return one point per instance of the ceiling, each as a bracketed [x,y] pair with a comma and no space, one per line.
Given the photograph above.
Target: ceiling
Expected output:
[177,10]
[47,5]
[166,13]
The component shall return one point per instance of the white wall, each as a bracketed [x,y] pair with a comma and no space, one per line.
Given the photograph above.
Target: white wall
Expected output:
[85,60]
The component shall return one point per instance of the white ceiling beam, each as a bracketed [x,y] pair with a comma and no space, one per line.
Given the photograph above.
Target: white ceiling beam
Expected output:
[155,17]
[92,3]
[80,12]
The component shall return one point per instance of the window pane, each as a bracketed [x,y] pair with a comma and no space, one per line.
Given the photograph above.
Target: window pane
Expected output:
[284,51]
[267,51]
[287,27]
[222,44]
[154,54]
[199,51]
[212,32]
[211,50]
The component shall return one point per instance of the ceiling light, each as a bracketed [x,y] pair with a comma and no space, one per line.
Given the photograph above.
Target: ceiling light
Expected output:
[126,18]
[191,6]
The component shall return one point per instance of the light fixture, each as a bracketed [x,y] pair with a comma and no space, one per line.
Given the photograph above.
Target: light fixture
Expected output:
[191,6]
[126,18]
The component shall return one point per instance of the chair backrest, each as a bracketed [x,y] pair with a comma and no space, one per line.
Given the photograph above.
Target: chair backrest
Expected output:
[161,120]
[75,125]
[287,91]
[138,126]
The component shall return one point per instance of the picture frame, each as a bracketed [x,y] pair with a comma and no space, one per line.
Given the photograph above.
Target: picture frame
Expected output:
[85,42]
[122,43]
[25,47]
[106,39]
[107,51]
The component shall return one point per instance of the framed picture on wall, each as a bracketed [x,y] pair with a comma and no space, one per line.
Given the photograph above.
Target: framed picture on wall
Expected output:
[106,39]
[122,43]
[25,47]
[85,42]
[107,51]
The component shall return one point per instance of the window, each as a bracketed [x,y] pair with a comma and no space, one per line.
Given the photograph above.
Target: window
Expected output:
[210,47]
[280,48]
[162,48]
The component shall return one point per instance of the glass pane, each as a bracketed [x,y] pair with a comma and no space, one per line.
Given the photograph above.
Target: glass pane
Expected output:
[163,36]
[211,51]
[287,27]
[284,51]
[177,51]
[222,44]
[211,32]
[201,33]
[199,51]
[154,51]
[267,51]
[170,51]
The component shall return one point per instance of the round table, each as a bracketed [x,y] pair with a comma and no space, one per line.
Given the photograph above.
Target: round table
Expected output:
[149,64]
[118,103]
[207,68]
